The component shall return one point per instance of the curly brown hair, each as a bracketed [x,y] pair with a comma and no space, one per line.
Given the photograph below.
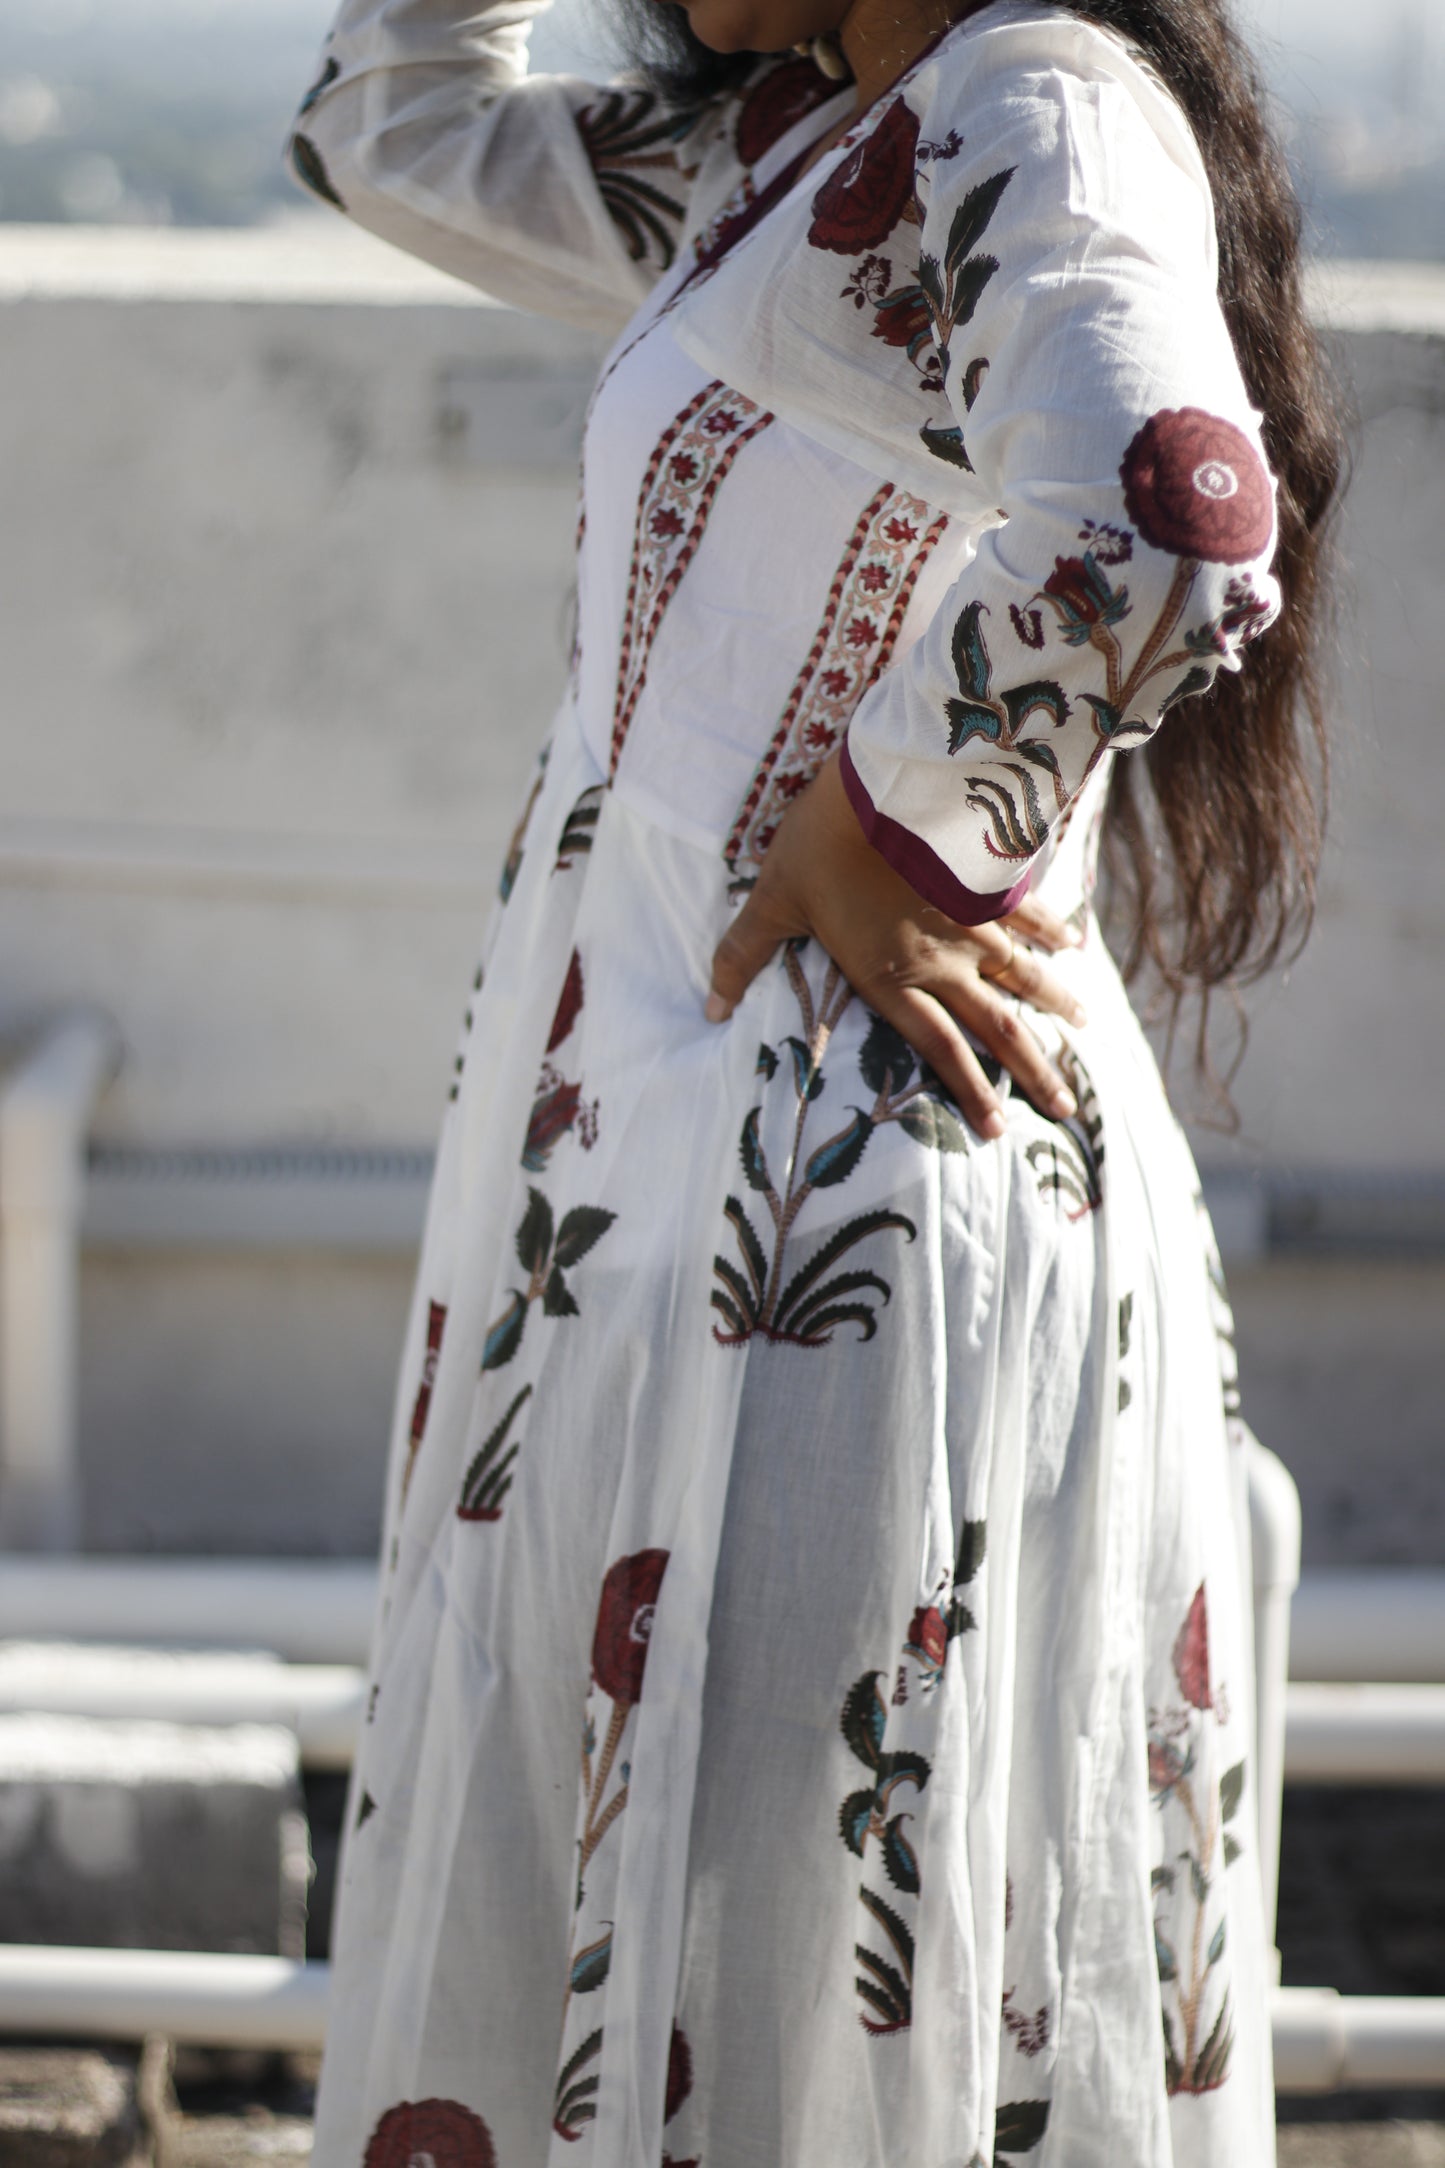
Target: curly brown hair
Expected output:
[1213,834]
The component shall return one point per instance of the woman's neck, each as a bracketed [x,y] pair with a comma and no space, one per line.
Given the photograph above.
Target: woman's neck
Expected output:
[883,38]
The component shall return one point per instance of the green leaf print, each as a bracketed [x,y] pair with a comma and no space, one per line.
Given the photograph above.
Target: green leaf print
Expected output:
[505,1337]
[1231,1788]
[488,1478]
[885,1059]
[534,1236]
[972,1541]
[928,1122]
[1019,2126]
[591,1966]
[864,1718]
[557,1298]
[755,1166]
[834,1161]
[581,1229]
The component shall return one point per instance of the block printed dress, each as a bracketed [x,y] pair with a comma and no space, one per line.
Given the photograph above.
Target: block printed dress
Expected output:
[811,1706]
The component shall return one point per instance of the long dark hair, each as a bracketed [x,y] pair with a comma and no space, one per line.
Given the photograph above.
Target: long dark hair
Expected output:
[1213,834]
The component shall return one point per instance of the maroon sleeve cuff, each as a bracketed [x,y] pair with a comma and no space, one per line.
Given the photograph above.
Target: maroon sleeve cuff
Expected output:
[921,867]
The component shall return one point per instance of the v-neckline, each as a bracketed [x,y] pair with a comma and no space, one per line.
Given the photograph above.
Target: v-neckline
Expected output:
[791,175]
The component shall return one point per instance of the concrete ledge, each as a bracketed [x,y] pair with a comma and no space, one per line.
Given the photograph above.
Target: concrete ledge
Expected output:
[126,1834]
[70,2108]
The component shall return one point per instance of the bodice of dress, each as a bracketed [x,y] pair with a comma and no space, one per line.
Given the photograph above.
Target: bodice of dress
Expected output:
[937,451]
[740,588]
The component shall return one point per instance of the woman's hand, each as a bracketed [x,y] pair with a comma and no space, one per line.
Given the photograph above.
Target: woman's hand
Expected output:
[931,978]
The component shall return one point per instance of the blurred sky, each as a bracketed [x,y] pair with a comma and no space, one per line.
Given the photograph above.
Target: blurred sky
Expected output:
[1298,22]
[155,110]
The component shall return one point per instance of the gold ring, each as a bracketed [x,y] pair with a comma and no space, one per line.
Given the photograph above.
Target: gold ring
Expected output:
[1006,966]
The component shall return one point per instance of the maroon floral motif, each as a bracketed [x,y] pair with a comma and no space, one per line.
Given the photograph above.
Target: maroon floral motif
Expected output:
[861,632]
[1166,1766]
[927,1637]
[1194,485]
[624,1624]
[436,1318]
[861,202]
[679,2074]
[1108,545]
[554,1112]
[1084,598]
[430,2134]
[1029,625]
[1191,1654]
[568,1006]
[666,523]
[904,319]
[868,281]
[777,104]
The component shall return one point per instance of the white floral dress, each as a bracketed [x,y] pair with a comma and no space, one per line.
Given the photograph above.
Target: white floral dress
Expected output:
[810,1700]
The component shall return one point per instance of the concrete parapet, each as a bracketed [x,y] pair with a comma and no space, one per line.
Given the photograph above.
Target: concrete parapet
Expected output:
[70,2108]
[124,1834]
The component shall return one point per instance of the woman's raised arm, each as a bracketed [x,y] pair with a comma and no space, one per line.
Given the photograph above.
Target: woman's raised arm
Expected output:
[548,192]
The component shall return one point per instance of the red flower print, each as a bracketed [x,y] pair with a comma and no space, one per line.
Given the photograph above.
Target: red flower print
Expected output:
[436,1318]
[554,1110]
[859,205]
[862,632]
[569,1005]
[624,1623]
[871,578]
[1084,597]
[777,104]
[666,523]
[928,1636]
[430,2134]
[1166,1766]
[899,530]
[679,2074]
[834,682]
[1191,1654]
[719,423]
[903,318]
[1244,612]
[821,737]
[1196,486]
[1028,625]
[683,468]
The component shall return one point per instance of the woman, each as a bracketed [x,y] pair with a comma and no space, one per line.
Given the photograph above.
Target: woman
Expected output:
[811,1714]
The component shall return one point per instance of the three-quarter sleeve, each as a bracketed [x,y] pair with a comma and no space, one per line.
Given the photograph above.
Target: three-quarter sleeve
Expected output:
[1065,283]
[548,192]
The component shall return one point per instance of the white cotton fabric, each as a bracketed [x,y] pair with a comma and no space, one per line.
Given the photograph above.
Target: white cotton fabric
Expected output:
[811,1717]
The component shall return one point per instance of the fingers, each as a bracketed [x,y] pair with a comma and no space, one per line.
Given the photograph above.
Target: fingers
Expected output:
[935,1037]
[937,1021]
[1036,923]
[1006,1035]
[749,943]
[1029,980]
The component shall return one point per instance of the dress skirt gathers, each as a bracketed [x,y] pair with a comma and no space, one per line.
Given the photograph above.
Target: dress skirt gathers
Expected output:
[810,1720]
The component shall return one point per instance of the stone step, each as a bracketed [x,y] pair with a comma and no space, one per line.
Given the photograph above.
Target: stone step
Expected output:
[71,2108]
[133,1834]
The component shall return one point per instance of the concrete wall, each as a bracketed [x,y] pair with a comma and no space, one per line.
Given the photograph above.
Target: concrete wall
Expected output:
[284,575]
